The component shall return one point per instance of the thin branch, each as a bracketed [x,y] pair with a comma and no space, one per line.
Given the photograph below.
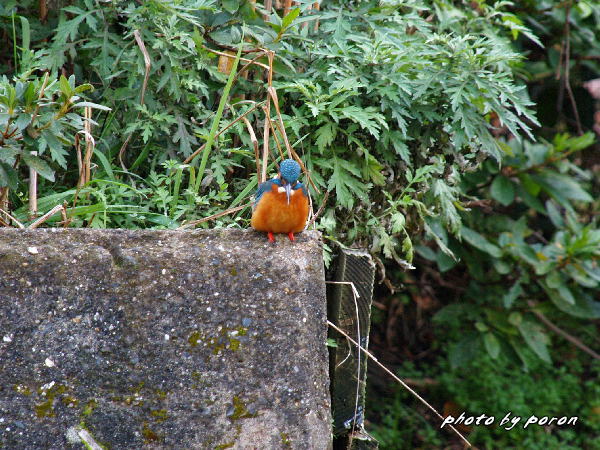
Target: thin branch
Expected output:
[249,61]
[567,81]
[572,339]
[214,216]
[254,144]
[147,65]
[389,372]
[33,204]
[46,216]
[319,211]
[265,155]
[19,224]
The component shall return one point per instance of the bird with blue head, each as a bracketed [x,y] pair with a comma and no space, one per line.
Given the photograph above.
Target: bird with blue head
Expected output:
[281,204]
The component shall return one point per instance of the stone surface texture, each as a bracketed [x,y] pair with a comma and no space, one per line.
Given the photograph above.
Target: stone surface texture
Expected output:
[128,339]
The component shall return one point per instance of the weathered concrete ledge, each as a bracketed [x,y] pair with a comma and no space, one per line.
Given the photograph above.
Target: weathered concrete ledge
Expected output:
[162,339]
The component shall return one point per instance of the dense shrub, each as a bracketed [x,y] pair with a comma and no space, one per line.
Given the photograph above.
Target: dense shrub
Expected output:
[414,114]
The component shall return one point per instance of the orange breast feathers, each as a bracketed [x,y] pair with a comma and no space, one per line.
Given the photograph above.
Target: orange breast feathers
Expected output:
[273,214]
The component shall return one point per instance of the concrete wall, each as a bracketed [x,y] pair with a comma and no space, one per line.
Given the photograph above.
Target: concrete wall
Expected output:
[162,339]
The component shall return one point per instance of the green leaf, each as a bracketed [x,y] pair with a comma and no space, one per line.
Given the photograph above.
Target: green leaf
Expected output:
[91,105]
[39,165]
[325,135]
[445,262]
[464,351]
[22,121]
[536,338]
[8,176]
[231,5]
[25,33]
[398,221]
[554,214]
[513,293]
[289,18]
[562,187]
[343,180]
[491,344]
[502,190]
[84,87]
[480,242]
[65,87]
[367,118]
[56,149]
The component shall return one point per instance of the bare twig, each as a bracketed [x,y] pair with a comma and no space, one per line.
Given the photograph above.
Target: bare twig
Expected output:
[265,155]
[389,372]
[275,138]
[572,339]
[232,56]
[567,60]
[268,8]
[33,206]
[319,211]
[280,126]
[148,65]
[214,216]
[43,11]
[19,224]
[46,216]
[255,145]
[89,143]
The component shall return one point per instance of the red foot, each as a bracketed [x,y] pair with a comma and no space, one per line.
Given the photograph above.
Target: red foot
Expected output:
[271,237]
[291,236]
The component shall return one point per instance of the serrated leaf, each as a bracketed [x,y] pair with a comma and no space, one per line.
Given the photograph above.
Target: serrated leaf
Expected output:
[345,184]
[398,221]
[39,165]
[367,118]
[325,135]
[56,149]
[536,338]
[502,190]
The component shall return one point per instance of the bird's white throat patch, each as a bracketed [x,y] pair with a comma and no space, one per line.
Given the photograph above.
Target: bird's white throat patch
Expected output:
[282,189]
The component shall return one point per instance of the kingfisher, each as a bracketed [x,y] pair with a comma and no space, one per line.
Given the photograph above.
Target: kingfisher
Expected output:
[281,204]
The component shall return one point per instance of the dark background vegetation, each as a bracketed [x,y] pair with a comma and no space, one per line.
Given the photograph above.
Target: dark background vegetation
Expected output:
[458,140]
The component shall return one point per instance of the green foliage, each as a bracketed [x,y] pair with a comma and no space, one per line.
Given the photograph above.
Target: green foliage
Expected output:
[386,98]
[496,387]
[540,255]
[396,107]
[38,116]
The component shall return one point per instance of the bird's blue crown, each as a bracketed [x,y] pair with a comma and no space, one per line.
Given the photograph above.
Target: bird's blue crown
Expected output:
[290,170]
